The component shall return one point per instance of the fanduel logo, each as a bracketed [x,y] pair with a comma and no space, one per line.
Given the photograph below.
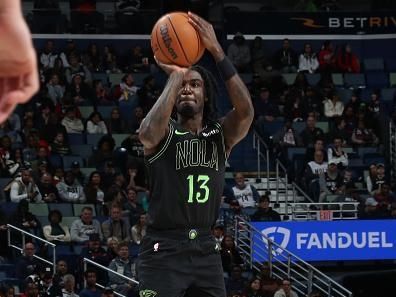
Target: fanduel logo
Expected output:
[271,232]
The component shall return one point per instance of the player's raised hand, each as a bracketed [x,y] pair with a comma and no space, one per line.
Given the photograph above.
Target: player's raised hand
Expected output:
[18,64]
[169,68]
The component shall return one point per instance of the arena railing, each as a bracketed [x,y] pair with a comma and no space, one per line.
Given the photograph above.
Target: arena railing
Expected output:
[97,265]
[329,211]
[24,234]
[258,248]
[262,152]
[392,148]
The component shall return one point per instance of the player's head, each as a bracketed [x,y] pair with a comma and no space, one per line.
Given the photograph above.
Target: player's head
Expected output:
[197,94]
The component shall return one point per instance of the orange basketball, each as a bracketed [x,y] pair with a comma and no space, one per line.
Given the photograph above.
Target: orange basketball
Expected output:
[175,41]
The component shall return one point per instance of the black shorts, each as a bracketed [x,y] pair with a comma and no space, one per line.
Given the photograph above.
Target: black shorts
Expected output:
[172,265]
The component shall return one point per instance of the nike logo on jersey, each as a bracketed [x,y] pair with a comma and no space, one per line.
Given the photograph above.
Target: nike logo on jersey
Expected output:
[147,293]
[177,132]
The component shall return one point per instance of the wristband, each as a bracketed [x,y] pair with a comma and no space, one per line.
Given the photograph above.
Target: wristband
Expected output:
[226,69]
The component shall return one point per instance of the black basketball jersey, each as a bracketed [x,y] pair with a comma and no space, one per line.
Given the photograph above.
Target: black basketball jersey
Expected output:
[187,178]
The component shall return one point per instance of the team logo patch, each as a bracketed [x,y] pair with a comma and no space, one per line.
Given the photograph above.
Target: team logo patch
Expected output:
[147,293]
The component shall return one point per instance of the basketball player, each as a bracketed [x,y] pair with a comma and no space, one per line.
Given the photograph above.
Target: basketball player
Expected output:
[186,162]
[18,65]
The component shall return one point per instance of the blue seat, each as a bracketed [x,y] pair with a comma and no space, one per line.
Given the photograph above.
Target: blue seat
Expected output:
[388,94]
[69,159]
[105,111]
[373,158]
[313,78]
[115,78]
[76,138]
[83,150]
[127,107]
[270,128]
[338,79]
[344,94]
[9,207]
[366,150]
[354,80]
[293,151]
[373,64]
[102,76]
[65,208]
[299,126]
[4,181]
[365,94]
[377,80]
[139,77]
[55,160]
[93,139]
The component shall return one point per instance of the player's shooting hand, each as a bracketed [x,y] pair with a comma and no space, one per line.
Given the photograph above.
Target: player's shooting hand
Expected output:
[169,68]
[18,66]
[205,30]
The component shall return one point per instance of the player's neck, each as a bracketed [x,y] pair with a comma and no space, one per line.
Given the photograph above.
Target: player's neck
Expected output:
[194,125]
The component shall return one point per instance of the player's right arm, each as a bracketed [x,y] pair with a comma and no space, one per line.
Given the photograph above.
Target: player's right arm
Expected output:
[155,127]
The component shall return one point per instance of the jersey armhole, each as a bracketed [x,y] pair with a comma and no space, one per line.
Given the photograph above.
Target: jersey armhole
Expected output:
[222,140]
[151,158]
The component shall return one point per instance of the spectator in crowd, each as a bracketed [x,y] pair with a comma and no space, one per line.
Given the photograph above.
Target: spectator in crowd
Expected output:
[112,247]
[336,154]
[218,233]
[125,266]
[307,61]
[236,282]
[138,231]
[76,68]
[347,186]
[294,109]
[24,188]
[245,194]
[347,61]
[230,255]
[311,132]
[333,178]
[60,271]
[79,91]
[31,289]
[56,232]
[101,94]
[314,171]
[93,58]
[55,89]
[287,137]
[84,226]
[327,58]
[92,190]
[71,123]
[338,131]
[116,124]
[27,264]
[259,55]
[254,288]
[264,212]
[49,130]
[69,286]
[96,124]
[148,93]
[375,114]
[104,153]
[239,53]
[265,110]
[376,178]
[110,63]
[75,168]
[59,145]
[354,101]
[108,292]
[70,190]
[371,210]
[24,219]
[48,56]
[59,175]
[90,289]
[136,60]
[116,225]
[285,59]
[132,207]
[333,107]
[384,197]
[285,290]
[363,136]
[127,89]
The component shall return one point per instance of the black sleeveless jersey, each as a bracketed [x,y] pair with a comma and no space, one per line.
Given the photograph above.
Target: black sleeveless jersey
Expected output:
[186,178]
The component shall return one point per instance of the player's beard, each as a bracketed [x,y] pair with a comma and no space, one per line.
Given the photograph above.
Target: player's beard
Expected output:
[186,111]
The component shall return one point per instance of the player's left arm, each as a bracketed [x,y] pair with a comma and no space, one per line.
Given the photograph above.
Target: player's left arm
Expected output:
[237,122]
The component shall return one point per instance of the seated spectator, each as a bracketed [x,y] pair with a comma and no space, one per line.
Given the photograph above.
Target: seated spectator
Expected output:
[61,270]
[69,286]
[112,247]
[254,288]
[347,186]
[51,128]
[24,188]
[136,59]
[79,91]
[47,189]
[239,53]
[259,55]
[285,290]
[265,109]
[124,265]
[371,210]
[333,107]
[47,56]
[138,231]
[314,170]
[93,58]
[27,264]
[264,212]
[376,178]
[90,289]
[25,220]
[339,131]
[347,61]
[76,68]
[218,233]
[56,91]
[327,58]
[83,227]
[104,152]
[285,59]
[148,93]
[92,190]
[75,168]
[363,136]
[336,154]
[384,197]
[287,136]
[116,124]
[116,225]
[236,282]
[333,178]
[245,194]
[294,109]
[101,95]
[71,123]
[126,90]
[70,189]
[96,124]
[56,232]
[308,62]
[311,132]
[230,255]
[110,62]
[59,145]
[132,207]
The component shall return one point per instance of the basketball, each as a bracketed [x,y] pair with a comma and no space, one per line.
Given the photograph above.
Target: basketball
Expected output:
[175,41]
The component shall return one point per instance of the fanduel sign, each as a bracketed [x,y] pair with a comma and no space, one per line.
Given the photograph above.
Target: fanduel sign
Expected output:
[321,241]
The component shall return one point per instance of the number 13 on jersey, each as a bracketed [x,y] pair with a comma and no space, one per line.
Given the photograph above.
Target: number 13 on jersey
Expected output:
[197,188]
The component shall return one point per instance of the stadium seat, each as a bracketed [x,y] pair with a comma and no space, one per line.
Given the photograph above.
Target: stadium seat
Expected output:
[292,151]
[86,111]
[65,208]
[344,94]
[105,111]
[324,126]
[313,78]
[289,78]
[76,138]
[43,220]
[366,150]
[93,139]
[338,79]
[127,108]
[299,126]
[9,207]
[102,76]
[388,94]
[354,80]
[69,220]
[139,77]
[83,150]
[115,78]
[373,158]
[87,170]
[392,79]
[119,138]
[78,207]
[38,209]
[377,80]
[3,182]
[373,64]
[69,159]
